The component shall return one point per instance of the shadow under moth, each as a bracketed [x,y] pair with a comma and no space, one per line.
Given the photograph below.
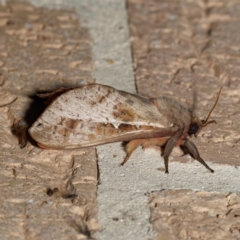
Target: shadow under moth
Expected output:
[96,114]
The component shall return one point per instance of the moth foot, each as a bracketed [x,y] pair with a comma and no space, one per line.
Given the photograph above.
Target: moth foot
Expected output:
[125,160]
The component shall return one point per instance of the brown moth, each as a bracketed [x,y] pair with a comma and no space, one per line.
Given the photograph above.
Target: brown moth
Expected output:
[97,114]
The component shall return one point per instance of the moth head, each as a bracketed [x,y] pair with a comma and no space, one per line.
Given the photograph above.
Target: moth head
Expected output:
[197,124]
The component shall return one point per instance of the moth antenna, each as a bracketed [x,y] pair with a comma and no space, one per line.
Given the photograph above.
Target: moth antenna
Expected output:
[209,122]
[205,122]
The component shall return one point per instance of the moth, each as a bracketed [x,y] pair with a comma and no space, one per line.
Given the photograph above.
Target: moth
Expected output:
[97,114]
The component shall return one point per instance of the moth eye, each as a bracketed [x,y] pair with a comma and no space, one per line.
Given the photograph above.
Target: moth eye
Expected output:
[193,129]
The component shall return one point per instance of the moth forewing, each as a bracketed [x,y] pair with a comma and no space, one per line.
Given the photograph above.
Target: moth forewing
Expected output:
[97,114]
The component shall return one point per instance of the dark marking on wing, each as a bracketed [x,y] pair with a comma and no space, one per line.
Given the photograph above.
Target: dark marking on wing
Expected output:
[91,136]
[129,101]
[126,128]
[92,103]
[71,123]
[63,131]
[124,114]
[100,98]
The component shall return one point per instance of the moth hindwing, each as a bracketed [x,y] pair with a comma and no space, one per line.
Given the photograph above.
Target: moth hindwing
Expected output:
[97,114]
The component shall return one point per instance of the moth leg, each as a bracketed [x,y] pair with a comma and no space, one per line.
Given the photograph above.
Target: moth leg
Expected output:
[192,150]
[130,148]
[167,151]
